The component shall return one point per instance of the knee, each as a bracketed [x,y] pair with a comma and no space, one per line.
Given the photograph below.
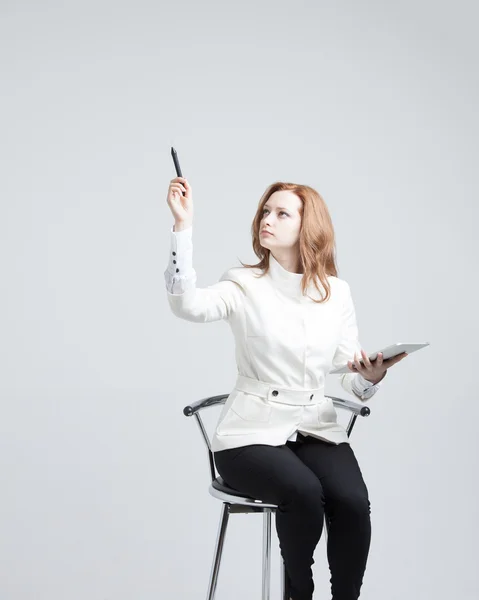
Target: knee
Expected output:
[354,504]
[307,496]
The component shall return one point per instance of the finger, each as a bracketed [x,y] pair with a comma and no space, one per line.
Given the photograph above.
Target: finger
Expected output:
[379,359]
[188,190]
[177,193]
[366,361]
[351,366]
[180,180]
[177,186]
[357,363]
[185,187]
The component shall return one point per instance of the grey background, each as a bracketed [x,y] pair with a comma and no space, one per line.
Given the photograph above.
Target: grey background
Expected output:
[103,480]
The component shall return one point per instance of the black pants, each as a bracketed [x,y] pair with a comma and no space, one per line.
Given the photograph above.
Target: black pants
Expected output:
[307,479]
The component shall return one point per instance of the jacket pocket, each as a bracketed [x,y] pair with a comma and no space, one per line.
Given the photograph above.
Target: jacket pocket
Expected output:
[251,408]
[326,412]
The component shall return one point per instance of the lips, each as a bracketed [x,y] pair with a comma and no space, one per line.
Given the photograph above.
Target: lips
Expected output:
[265,231]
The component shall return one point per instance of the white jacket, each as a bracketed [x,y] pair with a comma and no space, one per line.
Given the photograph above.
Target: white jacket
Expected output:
[285,346]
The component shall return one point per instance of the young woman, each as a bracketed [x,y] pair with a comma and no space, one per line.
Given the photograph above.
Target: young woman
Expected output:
[277,438]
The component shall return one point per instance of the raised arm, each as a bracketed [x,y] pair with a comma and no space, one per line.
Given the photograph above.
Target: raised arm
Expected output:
[201,305]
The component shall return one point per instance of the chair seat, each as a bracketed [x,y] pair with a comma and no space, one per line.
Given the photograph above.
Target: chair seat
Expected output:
[220,484]
[221,490]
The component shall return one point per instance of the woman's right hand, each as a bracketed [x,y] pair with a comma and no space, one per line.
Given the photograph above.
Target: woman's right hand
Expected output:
[180,206]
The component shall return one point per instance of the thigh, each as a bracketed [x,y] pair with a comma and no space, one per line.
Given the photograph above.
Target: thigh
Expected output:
[272,474]
[336,467]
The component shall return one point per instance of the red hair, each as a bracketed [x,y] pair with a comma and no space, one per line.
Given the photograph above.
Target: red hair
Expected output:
[317,246]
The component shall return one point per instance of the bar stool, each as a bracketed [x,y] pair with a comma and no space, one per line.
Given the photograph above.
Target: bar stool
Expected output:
[234,502]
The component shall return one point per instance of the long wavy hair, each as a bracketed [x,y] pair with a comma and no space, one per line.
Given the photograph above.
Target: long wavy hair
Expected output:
[317,245]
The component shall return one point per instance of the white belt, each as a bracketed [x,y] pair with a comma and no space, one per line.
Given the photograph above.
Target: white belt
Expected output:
[275,393]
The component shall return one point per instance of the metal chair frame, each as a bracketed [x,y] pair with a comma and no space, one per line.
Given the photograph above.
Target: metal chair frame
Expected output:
[234,502]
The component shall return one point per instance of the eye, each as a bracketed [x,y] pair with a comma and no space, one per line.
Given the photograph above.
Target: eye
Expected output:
[281,212]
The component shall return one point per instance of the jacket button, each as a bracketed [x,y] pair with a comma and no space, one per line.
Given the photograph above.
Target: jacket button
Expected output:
[174,253]
[174,262]
[311,397]
[275,392]
[177,270]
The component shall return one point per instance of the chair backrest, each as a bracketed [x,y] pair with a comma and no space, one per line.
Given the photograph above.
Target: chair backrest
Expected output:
[194,409]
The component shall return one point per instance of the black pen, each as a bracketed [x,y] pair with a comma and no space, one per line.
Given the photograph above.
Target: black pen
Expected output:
[177,164]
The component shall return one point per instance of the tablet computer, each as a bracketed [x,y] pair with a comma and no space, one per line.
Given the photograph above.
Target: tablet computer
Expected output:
[388,352]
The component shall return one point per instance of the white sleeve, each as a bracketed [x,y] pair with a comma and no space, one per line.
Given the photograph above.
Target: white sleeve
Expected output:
[363,388]
[353,383]
[180,274]
[201,305]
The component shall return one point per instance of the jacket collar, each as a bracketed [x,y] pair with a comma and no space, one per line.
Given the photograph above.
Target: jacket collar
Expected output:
[290,283]
[286,280]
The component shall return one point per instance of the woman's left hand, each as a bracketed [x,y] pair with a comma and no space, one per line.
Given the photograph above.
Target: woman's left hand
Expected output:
[374,370]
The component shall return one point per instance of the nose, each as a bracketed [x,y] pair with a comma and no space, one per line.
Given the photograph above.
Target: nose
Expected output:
[267,220]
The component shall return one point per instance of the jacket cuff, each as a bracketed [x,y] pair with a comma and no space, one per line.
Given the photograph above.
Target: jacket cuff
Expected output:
[180,263]
[364,388]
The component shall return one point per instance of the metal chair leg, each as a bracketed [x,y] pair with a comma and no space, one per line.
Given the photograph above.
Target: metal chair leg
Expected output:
[266,554]
[218,551]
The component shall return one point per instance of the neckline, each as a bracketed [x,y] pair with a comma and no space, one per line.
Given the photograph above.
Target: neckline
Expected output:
[286,281]
[289,282]
[281,273]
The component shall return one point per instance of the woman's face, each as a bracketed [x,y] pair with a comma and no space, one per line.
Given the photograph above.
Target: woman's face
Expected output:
[282,218]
